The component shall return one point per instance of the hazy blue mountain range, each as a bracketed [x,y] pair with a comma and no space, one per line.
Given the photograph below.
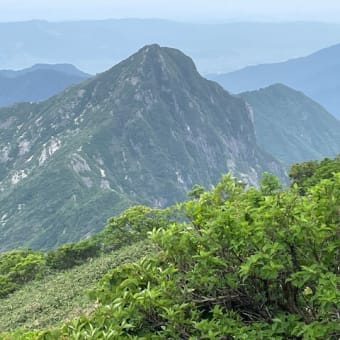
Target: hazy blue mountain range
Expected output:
[145,131]
[292,127]
[62,68]
[37,83]
[96,45]
[317,75]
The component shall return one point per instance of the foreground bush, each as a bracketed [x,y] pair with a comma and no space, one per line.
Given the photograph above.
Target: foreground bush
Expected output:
[246,264]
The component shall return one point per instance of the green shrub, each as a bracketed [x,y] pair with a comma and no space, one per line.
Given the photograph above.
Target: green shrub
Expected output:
[131,226]
[72,254]
[7,286]
[308,174]
[237,263]
[247,264]
[18,267]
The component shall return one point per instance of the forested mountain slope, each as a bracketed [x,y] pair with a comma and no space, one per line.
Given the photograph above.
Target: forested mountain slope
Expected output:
[292,127]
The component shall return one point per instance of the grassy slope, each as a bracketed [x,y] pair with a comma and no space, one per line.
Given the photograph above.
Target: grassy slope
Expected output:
[61,296]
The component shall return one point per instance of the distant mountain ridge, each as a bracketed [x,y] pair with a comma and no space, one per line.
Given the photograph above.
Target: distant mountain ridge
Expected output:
[96,45]
[317,75]
[63,68]
[145,131]
[292,127]
[37,83]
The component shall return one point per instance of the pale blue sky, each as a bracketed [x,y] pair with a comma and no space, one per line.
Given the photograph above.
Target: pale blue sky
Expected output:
[188,10]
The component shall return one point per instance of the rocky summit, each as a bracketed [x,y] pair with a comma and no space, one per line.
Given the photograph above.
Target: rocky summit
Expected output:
[144,131]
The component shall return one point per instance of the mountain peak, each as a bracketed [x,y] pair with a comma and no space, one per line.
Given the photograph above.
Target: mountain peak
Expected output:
[150,48]
[144,132]
[156,64]
[152,71]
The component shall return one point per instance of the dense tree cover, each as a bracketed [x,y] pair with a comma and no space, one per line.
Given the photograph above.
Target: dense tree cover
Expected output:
[235,263]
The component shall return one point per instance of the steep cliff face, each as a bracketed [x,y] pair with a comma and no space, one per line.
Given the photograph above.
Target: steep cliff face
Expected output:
[292,127]
[145,131]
